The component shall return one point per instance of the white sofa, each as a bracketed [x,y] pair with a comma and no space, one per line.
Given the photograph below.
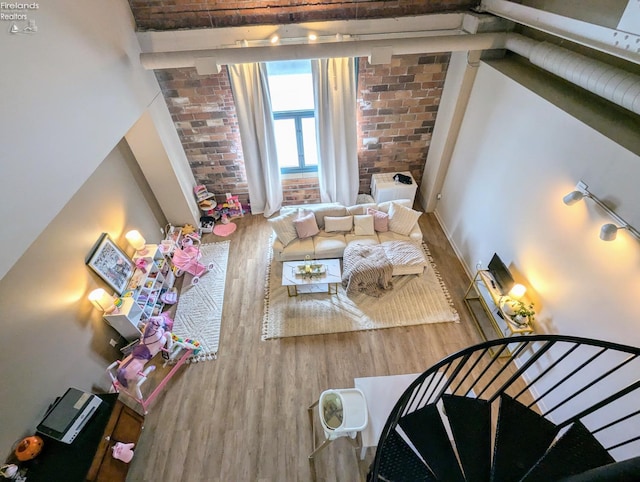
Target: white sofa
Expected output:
[326,244]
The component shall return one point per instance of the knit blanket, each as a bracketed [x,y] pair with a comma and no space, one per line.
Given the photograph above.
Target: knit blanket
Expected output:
[366,269]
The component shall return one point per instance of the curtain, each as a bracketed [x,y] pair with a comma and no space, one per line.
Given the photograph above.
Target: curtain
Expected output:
[334,85]
[255,121]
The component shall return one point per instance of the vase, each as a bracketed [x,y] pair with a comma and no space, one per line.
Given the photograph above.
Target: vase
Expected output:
[520,320]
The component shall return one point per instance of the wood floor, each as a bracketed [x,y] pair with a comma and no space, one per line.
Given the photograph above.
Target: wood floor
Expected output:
[243,417]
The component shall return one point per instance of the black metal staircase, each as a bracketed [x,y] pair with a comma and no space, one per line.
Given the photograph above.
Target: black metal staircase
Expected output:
[528,408]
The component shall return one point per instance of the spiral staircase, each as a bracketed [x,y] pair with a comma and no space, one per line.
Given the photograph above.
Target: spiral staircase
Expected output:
[528,408]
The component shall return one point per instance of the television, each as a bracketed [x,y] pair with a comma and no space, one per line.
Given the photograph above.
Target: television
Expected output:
[68,415]
[501,274]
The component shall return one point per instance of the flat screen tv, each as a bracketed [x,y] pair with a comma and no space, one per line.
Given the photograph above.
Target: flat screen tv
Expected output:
[501,274]
[68,415]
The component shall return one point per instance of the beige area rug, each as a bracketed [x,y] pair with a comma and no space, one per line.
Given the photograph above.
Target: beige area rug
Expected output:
[199,311]
[414,300]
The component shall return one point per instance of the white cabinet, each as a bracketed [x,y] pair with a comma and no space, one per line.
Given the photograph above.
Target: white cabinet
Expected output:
[384,188]
[142,299]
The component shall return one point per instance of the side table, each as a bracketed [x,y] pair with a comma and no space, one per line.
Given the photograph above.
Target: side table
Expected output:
[483,300]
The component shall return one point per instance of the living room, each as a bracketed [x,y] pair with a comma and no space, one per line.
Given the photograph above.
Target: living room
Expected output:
[73,170]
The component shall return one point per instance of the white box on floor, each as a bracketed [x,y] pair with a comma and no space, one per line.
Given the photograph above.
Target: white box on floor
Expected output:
[384,188]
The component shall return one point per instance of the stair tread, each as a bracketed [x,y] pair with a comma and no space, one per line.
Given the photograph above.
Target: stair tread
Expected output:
[470,422]
[522,437]
[576,451]
[399,463]
[426,431]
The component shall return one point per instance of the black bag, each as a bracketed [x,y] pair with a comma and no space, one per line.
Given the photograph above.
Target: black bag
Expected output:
[402,178]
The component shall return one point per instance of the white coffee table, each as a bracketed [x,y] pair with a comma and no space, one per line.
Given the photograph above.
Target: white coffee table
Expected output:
[324,283]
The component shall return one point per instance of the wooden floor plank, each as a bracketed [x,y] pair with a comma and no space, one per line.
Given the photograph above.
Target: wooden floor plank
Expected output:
[243,416]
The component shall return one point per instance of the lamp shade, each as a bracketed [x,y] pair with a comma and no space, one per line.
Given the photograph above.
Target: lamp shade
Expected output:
[608,232]
[102,300]
[573,197]
[517,291]
[135,239]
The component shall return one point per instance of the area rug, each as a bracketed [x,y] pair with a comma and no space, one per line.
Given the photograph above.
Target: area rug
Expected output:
[224,229]
[199,311]
[414,300]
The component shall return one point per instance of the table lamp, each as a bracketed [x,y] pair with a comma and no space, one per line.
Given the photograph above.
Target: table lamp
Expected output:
[103,301]
[517,291]
[136,241]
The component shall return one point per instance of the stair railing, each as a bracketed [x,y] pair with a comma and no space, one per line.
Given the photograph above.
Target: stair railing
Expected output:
[563,378]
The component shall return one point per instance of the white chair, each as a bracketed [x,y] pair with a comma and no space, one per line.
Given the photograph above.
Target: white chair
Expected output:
[343,413]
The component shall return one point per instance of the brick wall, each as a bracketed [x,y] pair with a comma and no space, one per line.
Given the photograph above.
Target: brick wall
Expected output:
[204,114]
[397,107]
[173,14]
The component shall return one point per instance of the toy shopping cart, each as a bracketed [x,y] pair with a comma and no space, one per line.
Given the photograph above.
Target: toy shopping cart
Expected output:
[186,258]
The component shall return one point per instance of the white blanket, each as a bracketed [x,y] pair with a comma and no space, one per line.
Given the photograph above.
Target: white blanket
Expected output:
[366,269]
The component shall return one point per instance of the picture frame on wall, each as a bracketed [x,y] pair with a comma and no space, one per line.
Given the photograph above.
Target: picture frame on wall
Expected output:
[110,263]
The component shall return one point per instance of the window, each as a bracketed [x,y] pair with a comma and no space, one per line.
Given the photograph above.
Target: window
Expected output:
[291,90]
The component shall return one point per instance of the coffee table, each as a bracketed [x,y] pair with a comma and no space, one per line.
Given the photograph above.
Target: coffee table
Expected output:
[326,282]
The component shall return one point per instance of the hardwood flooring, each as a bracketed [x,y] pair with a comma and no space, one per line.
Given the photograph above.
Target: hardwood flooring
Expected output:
[243,417]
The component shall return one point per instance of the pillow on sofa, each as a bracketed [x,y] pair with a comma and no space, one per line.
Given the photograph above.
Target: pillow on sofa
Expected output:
[402,219]
[363,225]
[328,210]
[338,223]
[360,208]
[380,220]
[305,224]
[384,206]
[283,226]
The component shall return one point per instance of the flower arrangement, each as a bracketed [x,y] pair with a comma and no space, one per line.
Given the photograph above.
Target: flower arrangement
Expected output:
[522,313]
[309,269]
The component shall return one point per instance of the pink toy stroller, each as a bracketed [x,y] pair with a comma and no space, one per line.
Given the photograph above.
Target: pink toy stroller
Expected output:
[186,258]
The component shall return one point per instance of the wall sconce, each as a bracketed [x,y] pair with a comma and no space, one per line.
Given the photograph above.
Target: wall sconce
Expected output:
[136,241]
[609,231]
[103,301]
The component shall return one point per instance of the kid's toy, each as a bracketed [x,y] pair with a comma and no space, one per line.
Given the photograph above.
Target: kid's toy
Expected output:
[128,375]
[123,451]
[186,258]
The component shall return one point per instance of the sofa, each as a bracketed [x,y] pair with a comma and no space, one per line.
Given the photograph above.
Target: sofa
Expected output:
[323,231]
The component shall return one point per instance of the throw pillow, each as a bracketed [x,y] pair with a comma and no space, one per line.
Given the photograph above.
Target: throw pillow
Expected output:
[338,223]
[380,220]
[305,224]
[360,208]
[328,210]
[384,206]
[284,228]
[363,225]
[402,219]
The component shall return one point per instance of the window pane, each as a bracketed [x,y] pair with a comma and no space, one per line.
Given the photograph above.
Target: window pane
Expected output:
[290,85]
[309,140]
[286,145]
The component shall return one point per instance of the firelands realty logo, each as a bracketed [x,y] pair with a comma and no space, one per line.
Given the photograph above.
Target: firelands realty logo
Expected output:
[17,14]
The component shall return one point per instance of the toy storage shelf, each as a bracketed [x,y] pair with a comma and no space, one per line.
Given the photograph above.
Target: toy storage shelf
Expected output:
[141,299]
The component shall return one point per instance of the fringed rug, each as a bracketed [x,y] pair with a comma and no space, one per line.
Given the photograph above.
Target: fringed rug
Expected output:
[199,311]
[414,300]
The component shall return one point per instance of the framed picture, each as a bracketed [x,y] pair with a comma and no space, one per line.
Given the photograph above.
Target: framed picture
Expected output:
[110,263]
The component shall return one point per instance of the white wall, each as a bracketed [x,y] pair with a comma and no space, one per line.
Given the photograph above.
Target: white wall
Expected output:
[516,156]
[54,338]
[69,94]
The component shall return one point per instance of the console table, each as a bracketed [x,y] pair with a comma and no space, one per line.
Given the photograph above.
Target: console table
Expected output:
[483,300]
[89,456]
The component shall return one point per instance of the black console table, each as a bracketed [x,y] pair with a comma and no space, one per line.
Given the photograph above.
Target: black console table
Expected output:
[89,456]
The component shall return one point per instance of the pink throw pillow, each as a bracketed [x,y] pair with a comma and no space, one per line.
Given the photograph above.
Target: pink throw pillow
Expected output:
[380,220]
[306,225]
